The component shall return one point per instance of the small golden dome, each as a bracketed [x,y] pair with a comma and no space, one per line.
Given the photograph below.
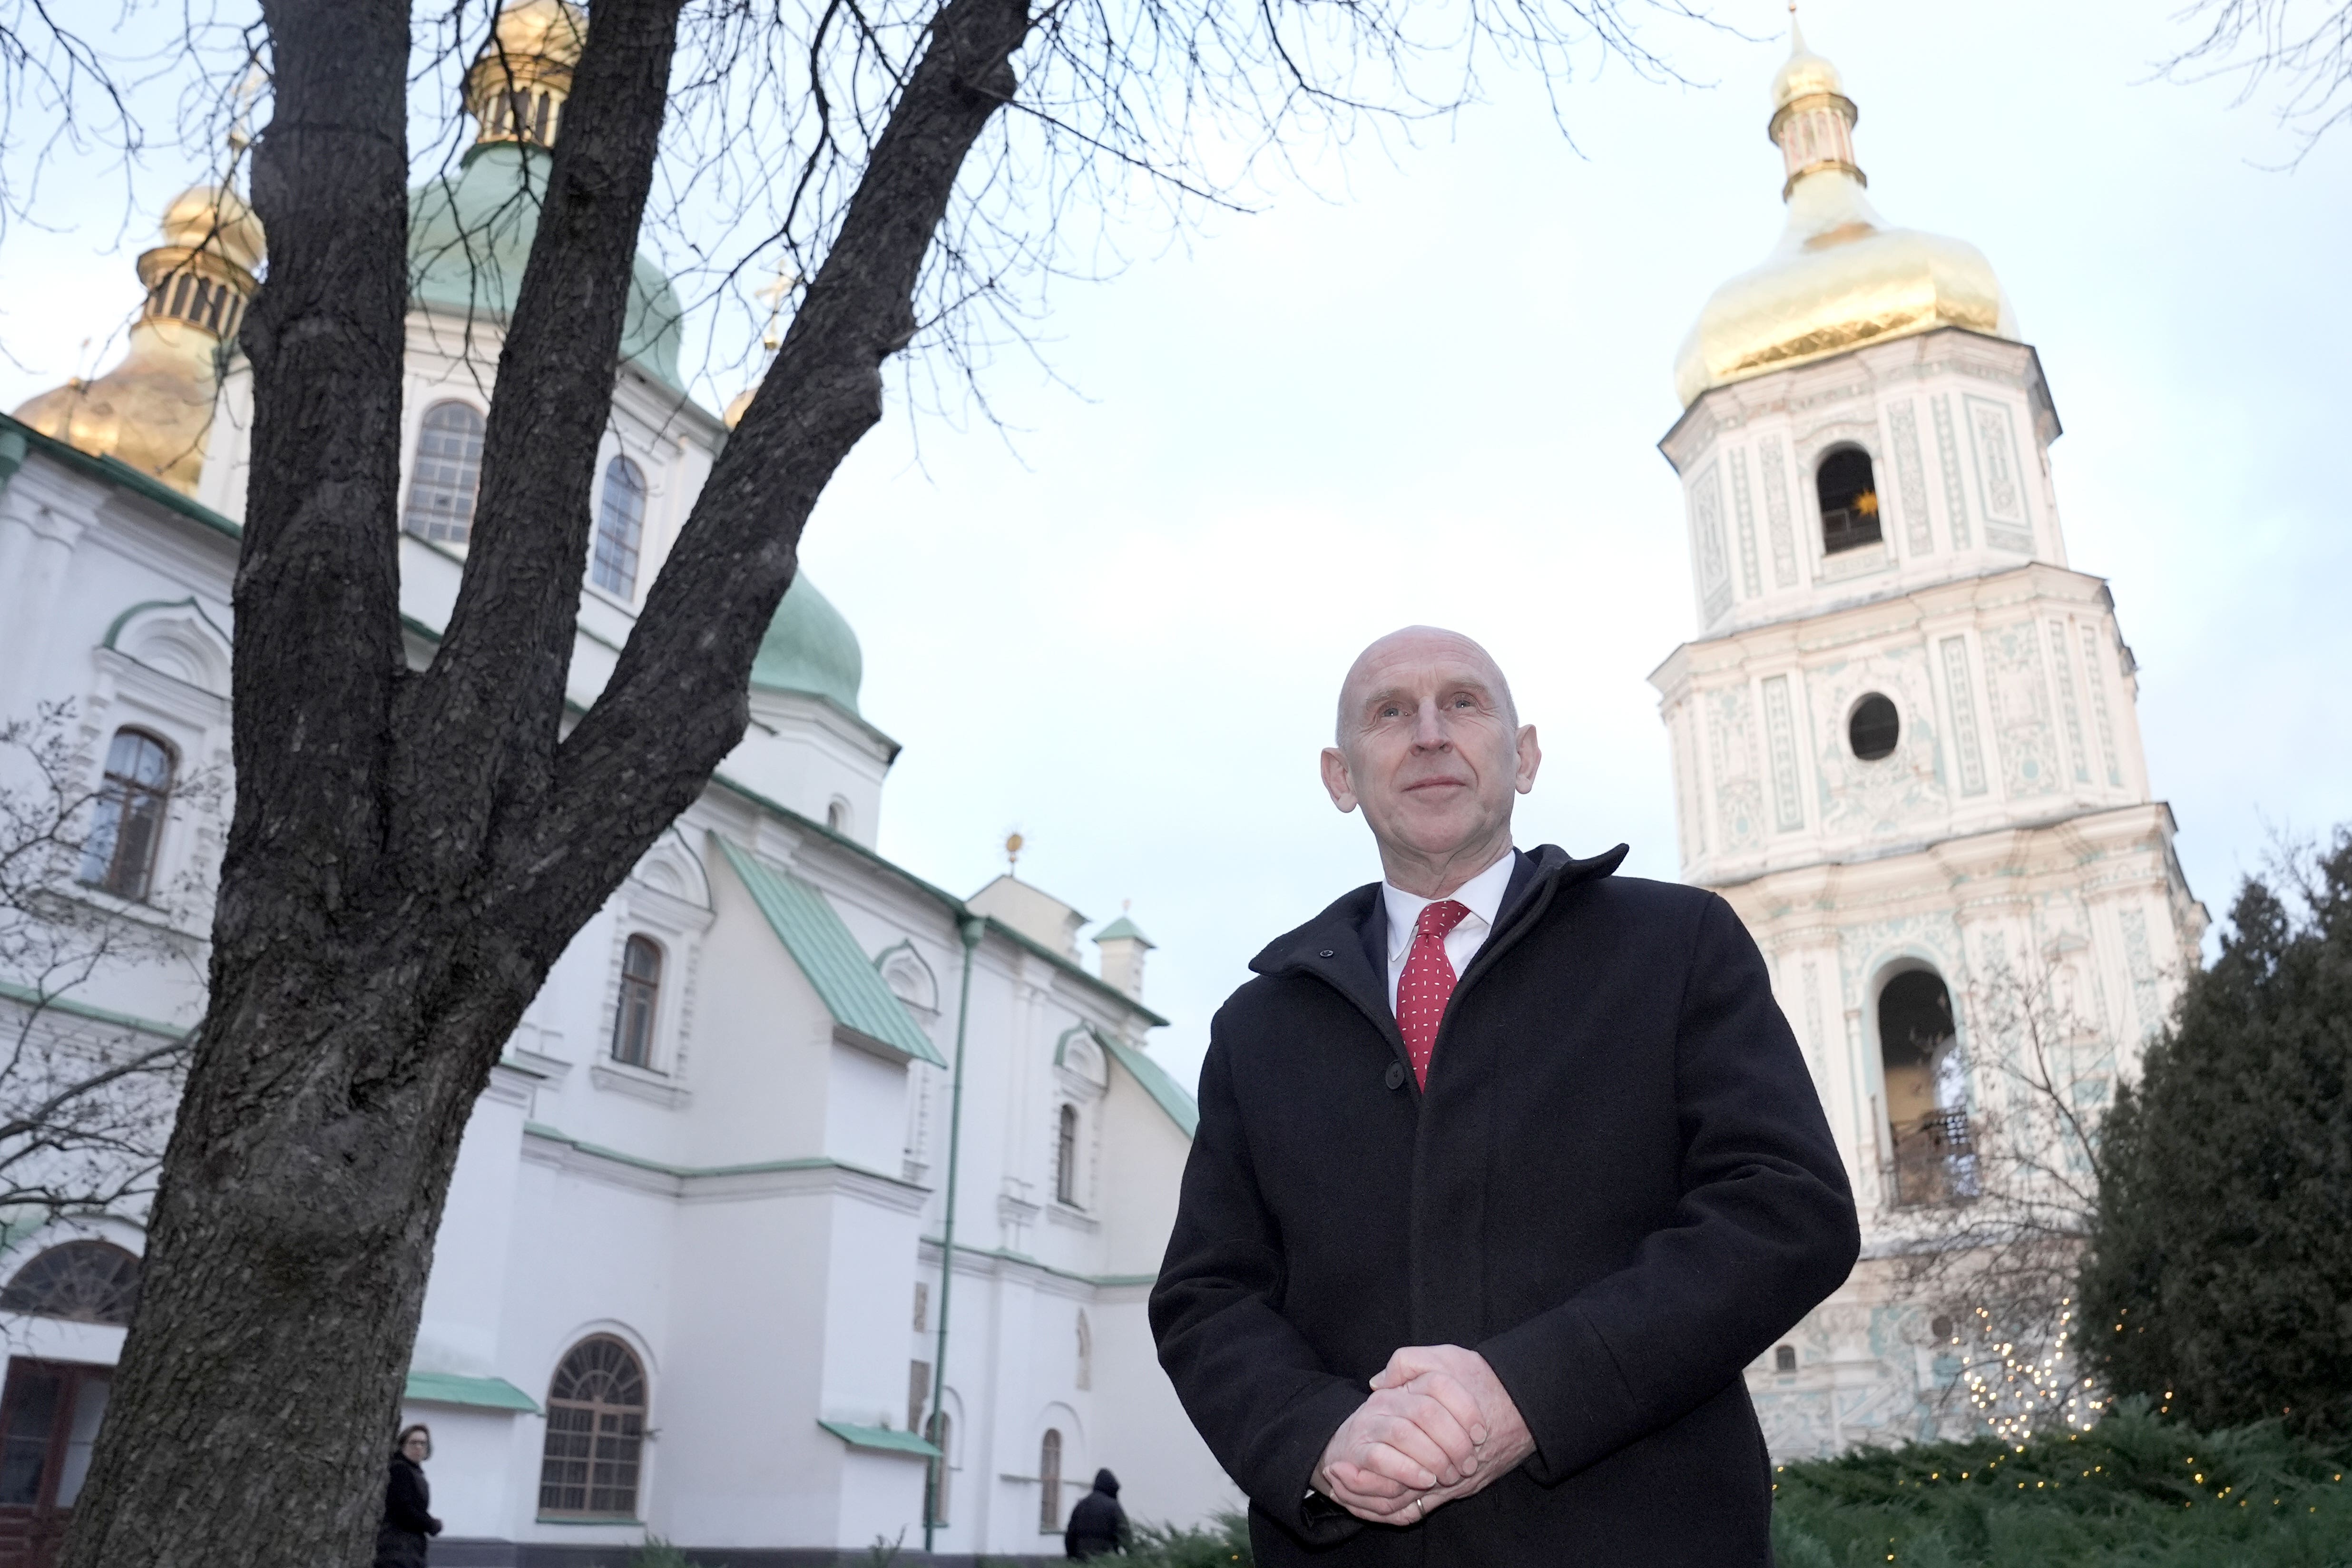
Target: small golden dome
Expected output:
[551,30]
[1805,73]
[517,84]
[216,219]
[1840,277]
[154,410]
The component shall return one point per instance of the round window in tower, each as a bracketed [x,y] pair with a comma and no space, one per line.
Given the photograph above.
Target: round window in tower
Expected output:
[1873,728]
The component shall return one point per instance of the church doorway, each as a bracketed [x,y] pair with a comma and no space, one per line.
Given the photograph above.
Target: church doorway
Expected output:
[1926,1091]
[49,1414]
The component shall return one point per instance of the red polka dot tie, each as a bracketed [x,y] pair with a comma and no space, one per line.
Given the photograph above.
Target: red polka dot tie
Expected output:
[1428,984]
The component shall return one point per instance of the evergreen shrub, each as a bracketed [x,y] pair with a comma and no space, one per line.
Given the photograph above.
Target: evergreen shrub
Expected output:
[2219,1280]
[2134,1491]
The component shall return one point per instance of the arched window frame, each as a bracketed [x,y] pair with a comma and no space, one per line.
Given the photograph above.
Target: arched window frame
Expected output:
[82,1279]
[667,900]
[591,1456]
[1942,1168]
[1049,1481]
[123,847]
[1855,526]
[453,430]
[620,542]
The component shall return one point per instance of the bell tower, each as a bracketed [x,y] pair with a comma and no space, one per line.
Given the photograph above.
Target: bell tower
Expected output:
[1905,740]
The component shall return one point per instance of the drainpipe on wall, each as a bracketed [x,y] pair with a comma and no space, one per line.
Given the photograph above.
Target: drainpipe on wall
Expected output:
[970,928]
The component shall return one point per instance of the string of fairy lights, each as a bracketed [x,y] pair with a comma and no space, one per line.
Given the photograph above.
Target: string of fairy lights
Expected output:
[2014,1391]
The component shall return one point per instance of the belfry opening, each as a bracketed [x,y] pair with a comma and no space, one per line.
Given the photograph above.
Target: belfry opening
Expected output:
[1848,491]
[1927,1090]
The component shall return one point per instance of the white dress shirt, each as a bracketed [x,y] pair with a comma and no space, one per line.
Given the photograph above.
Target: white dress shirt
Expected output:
[1482,895]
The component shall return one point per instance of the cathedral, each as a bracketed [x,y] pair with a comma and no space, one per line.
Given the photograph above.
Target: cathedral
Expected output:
[1904,741]
[812,1205]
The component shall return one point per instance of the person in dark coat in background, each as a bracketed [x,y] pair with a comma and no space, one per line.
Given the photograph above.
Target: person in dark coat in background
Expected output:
[407,1500]
[1506,1167]
[1097,1525]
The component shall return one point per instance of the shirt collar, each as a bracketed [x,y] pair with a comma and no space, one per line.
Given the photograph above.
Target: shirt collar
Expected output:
[1482,895]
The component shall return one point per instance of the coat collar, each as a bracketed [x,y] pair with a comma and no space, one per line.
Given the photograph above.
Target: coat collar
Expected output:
[1343,946]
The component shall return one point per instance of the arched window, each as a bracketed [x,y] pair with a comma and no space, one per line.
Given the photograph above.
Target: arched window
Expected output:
[448,473]
[1085,1351]
[82,1281]
[836,816]
[632,1020]
[940,1430]
[1049,1472]
[1065,1157]
[1849,497]
[620,529]
[595,1432]
[1784,1358]
[119,853]
[1927,1094]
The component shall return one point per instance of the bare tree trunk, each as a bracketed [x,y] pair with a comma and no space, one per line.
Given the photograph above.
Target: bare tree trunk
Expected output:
[411,853]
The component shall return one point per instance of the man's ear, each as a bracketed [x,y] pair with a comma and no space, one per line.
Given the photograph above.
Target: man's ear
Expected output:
[1530,759]
[1336,780]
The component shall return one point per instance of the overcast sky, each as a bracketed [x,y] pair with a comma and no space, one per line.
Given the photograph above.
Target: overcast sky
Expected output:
[1430,390]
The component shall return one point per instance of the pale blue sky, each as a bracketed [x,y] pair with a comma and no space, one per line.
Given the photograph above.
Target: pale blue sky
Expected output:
[1431,391]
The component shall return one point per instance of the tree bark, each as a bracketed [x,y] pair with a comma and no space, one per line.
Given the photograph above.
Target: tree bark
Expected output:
[411,853]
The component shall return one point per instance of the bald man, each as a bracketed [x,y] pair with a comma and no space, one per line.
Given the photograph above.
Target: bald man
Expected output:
[1507,1166]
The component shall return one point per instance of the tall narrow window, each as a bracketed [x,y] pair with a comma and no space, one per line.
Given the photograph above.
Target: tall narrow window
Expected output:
[595,1433]
[119,853]
[448,473]
[1066,1158]
[1049,1472]
[620,529]
[633,1021]
[1849,497]
[1085,1351]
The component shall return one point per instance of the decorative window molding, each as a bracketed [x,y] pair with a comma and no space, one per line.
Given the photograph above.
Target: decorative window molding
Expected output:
[910,978]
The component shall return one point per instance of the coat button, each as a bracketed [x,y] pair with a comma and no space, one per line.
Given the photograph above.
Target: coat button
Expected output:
[1327,952]
[1396,1075]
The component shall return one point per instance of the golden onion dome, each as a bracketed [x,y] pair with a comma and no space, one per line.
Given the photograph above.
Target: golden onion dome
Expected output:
[1804,74]
[1840,277]
[552,30]
[517,84]
[216,219]
[154,410]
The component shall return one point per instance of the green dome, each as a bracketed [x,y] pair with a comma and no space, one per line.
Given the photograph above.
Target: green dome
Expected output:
[810,647]
[469,235]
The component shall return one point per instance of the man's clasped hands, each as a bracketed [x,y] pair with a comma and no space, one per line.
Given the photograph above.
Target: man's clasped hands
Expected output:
[1439,1425]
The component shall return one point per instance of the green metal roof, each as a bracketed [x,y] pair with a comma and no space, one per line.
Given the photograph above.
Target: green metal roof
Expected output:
[1123,930]
[469,237]
[1181,1107]
[845,978]
[111,468]
[881,1440]
[449,1388]
[808,647]
[946,900]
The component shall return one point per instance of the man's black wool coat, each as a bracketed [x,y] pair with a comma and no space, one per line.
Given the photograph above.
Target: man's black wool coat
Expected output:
[1619,1188]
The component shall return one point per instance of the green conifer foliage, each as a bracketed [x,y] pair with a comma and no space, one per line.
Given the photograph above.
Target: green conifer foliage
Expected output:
[2220,1277]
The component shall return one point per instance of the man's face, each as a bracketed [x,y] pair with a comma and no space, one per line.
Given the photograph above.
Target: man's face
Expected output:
[1429,746]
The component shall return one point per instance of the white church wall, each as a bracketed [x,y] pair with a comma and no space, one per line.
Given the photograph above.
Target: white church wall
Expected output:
[464,1296]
